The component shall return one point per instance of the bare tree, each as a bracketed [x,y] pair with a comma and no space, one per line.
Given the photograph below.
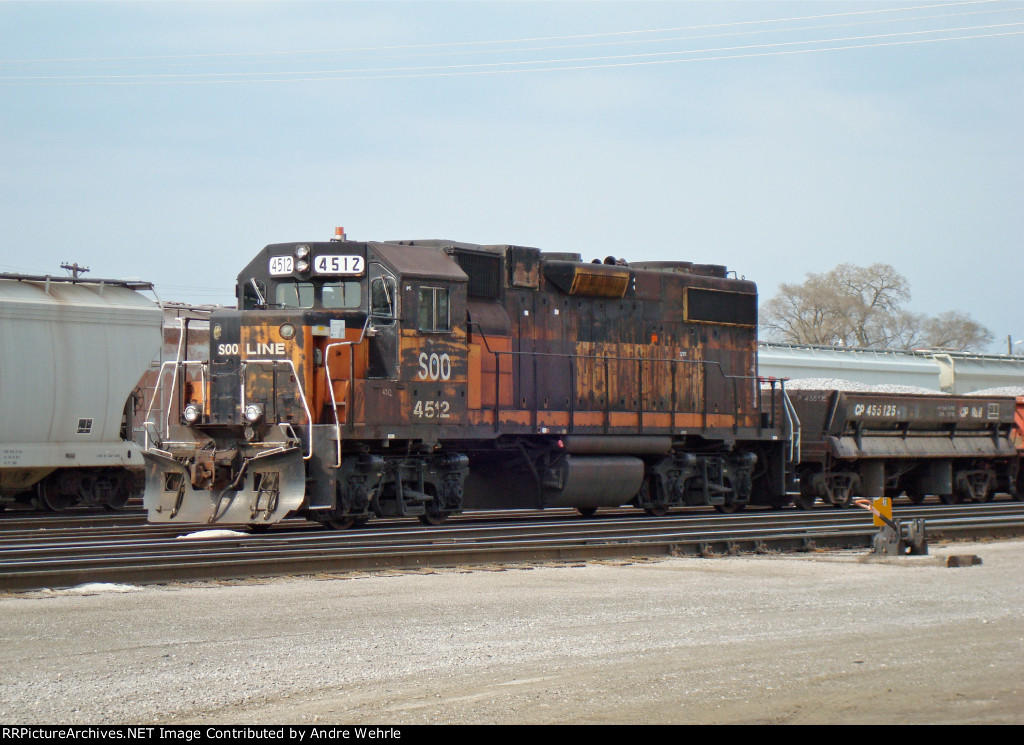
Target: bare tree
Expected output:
[857,306]
[957,331]
[871,298]
[804,314]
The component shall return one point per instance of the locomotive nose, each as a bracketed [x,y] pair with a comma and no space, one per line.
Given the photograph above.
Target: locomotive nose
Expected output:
[252,487]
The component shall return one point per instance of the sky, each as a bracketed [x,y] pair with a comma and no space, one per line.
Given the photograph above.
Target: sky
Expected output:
[171,141]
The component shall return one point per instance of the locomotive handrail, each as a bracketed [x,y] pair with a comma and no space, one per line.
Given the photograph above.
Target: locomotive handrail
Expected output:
[792,424]
[298,384]
[792,419]
[159,386]
[705,364]
[179,364]
[351,380]
[794,427]
[182,325]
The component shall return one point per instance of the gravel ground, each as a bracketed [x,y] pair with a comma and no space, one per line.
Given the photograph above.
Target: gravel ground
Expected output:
[785,639]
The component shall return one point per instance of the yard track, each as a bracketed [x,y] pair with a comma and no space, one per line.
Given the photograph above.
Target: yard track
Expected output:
[48,552]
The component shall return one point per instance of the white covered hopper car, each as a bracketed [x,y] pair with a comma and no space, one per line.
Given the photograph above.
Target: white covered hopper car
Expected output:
[72,352]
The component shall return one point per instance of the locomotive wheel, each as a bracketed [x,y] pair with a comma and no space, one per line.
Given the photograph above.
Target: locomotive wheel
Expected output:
[433,518]
[805,501]
[587,511]
[656,510]
[953,498]
[358,522]
[258,527]
[806,498]
[915,495]
[842,502]
[339,523]
[730,508]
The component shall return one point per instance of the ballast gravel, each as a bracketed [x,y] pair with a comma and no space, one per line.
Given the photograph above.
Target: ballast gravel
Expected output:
[808,638]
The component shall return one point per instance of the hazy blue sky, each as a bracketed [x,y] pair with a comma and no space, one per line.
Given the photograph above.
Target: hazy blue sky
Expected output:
[171,141]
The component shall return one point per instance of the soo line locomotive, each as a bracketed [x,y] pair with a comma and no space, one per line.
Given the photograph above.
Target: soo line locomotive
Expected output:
[424,378]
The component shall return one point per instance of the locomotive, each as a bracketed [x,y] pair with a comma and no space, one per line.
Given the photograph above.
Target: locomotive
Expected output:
[426,377]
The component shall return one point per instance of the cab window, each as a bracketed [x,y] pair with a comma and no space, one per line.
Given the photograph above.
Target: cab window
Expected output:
[294,295]
[254,295]
[382,298]
[341,294]
[433,309]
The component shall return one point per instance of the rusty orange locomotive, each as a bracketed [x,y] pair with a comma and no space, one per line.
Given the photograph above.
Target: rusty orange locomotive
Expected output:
[422,378]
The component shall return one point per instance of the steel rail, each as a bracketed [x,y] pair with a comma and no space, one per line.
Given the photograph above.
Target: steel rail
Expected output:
[533,521]
[61,559]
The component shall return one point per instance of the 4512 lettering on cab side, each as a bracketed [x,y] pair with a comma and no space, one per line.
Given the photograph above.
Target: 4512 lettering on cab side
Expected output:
[432,410]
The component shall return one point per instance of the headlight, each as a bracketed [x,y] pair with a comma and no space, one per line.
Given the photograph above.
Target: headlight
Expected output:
[191,413]
[253,412]
[301,252]
[301,266]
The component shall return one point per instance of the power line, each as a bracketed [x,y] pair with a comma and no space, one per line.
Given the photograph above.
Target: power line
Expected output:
[492,42]
[483,68]
[617,42]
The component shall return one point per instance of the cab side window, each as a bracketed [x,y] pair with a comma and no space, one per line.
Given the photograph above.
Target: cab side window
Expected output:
[433,312]
[382,298]
[254,295]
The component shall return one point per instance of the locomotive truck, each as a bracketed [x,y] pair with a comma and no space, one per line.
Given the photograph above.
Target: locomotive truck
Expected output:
[425,377]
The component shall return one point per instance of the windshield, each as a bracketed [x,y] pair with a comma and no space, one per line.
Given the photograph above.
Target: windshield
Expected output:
[294,295]
[343,294]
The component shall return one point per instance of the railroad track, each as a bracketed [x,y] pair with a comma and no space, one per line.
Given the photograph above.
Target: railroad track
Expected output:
[40,555]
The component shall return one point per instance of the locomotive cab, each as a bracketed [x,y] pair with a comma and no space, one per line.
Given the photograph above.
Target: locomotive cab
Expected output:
[330,342]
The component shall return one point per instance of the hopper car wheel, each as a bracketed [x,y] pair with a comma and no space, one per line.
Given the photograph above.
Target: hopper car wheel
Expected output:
[950,498]
[339,523]
[358,522]
[53,499]
[259,527]
[115,504]
[587,511]
[123,484]
[656,510]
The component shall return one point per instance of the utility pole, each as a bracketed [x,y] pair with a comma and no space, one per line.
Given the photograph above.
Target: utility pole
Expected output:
[75,269]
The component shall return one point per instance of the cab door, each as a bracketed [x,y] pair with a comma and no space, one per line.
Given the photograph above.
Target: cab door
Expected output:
[436,352]
[383,328]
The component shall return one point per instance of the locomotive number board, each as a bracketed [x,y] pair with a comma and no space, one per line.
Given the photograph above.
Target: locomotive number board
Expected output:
[340,265]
